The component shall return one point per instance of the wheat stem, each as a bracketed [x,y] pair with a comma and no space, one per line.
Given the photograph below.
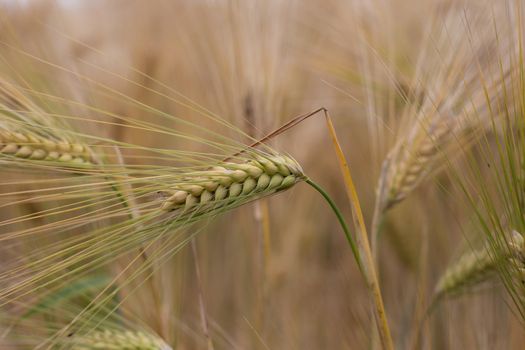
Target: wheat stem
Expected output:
[341,220]
[202,305]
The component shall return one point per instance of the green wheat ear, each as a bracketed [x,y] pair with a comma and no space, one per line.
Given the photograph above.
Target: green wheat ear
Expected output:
[229,185]
[118,340]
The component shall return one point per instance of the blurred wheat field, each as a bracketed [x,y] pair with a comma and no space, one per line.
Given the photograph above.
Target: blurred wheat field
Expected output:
[121,122]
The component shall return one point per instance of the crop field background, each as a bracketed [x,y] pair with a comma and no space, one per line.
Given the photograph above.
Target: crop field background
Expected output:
[163,165]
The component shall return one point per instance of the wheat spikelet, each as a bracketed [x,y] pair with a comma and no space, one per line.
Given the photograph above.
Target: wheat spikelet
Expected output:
[118,340]
[475,267]
[233,183]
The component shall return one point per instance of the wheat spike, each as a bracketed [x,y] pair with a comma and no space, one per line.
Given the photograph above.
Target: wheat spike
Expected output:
[231,184]
[31,146]
[462,94]
[472,268]
[433,135]
[28,132]
[478,266]
[118,340]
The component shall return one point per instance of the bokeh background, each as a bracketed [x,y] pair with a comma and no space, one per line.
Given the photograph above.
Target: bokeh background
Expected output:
[259,64]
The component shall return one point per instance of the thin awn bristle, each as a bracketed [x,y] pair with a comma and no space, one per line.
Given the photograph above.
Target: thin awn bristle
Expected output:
[231,184]
[475,267]
[118,340]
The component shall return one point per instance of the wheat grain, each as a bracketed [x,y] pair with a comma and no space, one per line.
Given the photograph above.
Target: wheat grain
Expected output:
[118,340]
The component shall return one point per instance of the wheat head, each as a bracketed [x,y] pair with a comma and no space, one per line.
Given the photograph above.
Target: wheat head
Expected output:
[27,132]
[463,93]
[471,268]
[118,340]
[31,146]
[231,184]
[478,266]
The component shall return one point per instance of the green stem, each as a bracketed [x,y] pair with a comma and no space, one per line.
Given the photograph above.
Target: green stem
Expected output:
[341,220]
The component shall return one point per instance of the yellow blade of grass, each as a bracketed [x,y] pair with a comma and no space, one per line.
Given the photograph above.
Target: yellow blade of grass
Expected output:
[363,245]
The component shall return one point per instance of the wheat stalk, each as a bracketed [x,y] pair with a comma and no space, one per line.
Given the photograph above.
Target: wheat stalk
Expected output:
[230,184]
[118,340]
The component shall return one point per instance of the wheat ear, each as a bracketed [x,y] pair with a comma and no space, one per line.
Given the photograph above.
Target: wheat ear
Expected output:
[478,266]
[31,146]
[26,131]
[231,184]
[464,87]
[462,97]
[118,340]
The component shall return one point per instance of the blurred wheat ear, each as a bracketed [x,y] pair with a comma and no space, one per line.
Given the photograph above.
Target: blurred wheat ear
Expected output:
[118,340]
[462,98]
[440,129]
[27,132]
[475,267]
[471,269]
